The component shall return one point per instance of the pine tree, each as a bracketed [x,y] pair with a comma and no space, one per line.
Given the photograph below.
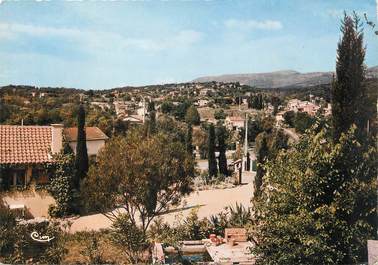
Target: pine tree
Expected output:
[189,139]
[348,92]
[222,147]
[211,152]
[81,163]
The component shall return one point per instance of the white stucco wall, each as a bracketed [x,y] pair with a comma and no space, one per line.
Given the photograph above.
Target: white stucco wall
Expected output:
[36,202]
[92,146]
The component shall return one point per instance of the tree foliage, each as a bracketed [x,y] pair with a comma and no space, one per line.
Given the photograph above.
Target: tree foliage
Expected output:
[129,238]
[17,247]
[256,101]
[192,116]
[62,173]
[143,175]
[262,152]
[189,139]
[81,163]
[303,121]
[318,202]
[348,93]
[222,136]
[212,162]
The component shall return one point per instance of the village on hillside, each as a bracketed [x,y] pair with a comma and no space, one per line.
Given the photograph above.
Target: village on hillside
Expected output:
[211,171]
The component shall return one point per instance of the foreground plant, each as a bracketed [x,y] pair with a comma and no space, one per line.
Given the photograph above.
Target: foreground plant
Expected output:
[142,175]
[318,202]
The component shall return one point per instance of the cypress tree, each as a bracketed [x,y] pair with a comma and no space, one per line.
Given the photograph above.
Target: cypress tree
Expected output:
[262,152]
[248,162]
[222,135]
[81,162]
[211,152]
[189,139]
[348,92]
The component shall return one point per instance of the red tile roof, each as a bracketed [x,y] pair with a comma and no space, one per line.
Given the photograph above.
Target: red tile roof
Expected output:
[92,133]
[25,144]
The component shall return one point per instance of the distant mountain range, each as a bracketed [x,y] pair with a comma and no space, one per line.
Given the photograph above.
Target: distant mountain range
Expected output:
[281,79]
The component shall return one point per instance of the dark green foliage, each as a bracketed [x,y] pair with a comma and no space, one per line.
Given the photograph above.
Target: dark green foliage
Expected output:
[81,163]
[130,238]
[289,117]
[167,125]
[256,101]
[278,140]
[151,106]
[120,127]
[303,121]
[145,175]
[349,99]
[239,216]
[194,228]
[192,116]
[222,135]
[257,126]
[7,226]
[167,107]
[181,110]
[213,171]
[189,139]
[220,114]
[318,202]
[152,123]
[262,152]
[61,184]
[248,161]
[276,101]
[4,112]
[17,247]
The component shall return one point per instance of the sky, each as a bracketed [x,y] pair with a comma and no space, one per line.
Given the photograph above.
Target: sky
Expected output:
[107,44]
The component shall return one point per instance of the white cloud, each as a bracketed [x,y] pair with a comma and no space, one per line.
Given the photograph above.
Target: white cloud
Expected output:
[335,13]
[101,39]
[32,30]
[253,24]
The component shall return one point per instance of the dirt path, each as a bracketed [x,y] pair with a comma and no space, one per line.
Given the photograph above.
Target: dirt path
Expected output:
[209,202]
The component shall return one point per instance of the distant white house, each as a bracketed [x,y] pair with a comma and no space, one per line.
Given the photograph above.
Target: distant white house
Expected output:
[302,106]
[234,122]
[202,102]
[95,139]
[133,119]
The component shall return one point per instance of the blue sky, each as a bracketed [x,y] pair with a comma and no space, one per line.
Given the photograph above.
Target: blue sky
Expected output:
[99,45]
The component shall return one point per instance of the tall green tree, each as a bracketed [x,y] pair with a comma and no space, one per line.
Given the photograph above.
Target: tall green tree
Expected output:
[211,152]
[189,139]
[145,176]
[222,148]
[348,91]
[262,153]
[81,162]
[317,202]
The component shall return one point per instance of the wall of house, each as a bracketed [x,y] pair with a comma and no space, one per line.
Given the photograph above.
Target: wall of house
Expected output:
[92,146]
[36,202]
